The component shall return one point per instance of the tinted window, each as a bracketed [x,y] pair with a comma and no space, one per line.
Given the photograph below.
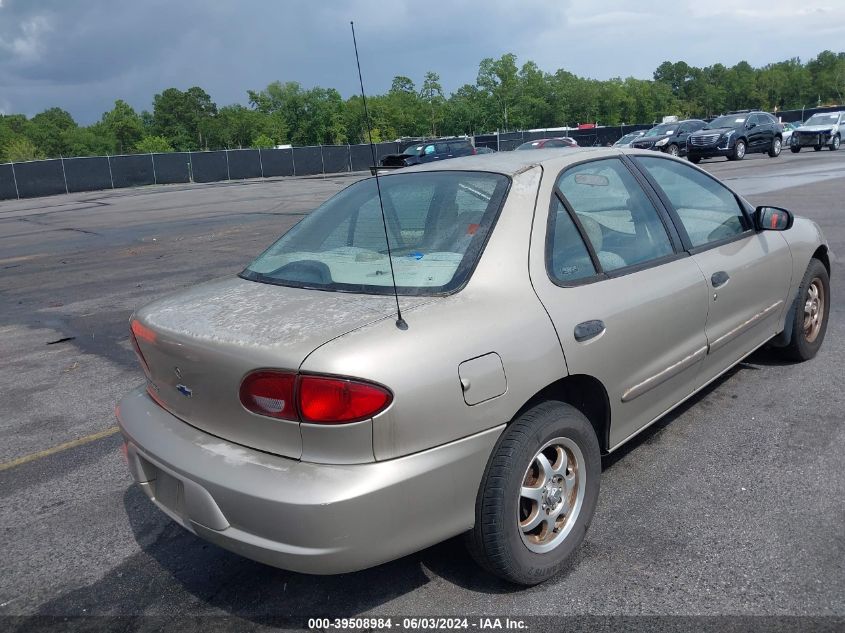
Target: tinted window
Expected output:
[707,209]
[569,258]
[618,218]
[437,223]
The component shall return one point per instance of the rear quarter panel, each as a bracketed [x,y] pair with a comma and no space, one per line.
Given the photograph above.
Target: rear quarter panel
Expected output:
[497,311]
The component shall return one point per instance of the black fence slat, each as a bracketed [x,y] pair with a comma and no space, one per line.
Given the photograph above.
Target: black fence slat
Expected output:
[277,162]
[209,166]
[244,163]
[335,159]
[88,174]
[40,178]
[172,167]
[361,157]
[132,170]
[8,191]
[307,161]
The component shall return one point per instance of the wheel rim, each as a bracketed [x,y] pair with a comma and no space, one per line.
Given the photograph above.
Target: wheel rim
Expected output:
[835,142]
[814,308]
[551,495]
[776,146]
[673,150]
[740,149]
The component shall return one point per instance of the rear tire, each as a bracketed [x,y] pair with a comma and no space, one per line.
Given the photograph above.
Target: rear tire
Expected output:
[809,323]
[817,148]
[795,149]
[777,146]
[538,494]
[739,151]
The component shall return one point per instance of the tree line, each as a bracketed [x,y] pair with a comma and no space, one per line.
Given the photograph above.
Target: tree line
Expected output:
[505,96]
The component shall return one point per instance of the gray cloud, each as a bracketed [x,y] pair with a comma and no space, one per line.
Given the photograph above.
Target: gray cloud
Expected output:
[82,55]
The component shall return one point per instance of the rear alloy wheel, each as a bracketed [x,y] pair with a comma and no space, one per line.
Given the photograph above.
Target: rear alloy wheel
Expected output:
[739,151]
[834,144]
[673,150]
[809,321]
[538,494]
[774,150]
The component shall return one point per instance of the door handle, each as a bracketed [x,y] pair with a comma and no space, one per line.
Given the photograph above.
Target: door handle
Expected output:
[588,329]
[720,278]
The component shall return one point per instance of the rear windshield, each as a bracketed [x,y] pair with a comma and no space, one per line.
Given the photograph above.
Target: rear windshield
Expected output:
[438,223]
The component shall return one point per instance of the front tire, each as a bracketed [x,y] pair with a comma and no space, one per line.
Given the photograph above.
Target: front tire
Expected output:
[834,144]
[538,494]
[795,149]
[739,151]
[694,159]
[809,323]
[673,150]
[774,150]
[817,148]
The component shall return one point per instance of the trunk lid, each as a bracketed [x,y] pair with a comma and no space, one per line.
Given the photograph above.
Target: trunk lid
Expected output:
[201,343]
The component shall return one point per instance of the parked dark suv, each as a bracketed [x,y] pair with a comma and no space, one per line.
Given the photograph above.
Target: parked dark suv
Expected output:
[736,134]
[669,137]
[427,151]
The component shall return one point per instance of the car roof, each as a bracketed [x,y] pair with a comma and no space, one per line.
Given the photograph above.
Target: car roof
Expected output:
[512,163]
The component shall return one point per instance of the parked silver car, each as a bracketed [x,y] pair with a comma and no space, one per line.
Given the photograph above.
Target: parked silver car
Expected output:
[554,304]
[823,129]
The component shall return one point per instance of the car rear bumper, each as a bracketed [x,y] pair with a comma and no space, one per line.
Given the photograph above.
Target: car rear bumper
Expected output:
[306,517]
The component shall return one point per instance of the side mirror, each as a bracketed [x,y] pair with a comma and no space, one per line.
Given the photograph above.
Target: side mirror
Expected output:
[750,125]
[773,219]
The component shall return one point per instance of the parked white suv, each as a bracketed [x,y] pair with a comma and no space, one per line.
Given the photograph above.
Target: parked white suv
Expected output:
[823,128]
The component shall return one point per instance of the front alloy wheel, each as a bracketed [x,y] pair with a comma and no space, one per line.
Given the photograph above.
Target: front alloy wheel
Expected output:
[810,311]
[672,150]
[834,144]
[739,151]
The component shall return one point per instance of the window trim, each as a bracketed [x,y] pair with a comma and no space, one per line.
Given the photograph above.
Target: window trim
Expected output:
[677,249]
[676,219]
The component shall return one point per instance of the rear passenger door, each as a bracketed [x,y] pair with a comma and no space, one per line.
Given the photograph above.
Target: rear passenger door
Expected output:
[629,307]
[748,272]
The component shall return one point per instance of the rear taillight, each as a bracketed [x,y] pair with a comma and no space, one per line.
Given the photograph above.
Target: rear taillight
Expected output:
[474,151]
[313,399]
[326,400]
[138,330]
[270,393]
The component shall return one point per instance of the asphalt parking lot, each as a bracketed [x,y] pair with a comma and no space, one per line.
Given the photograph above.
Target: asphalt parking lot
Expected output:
[732,505]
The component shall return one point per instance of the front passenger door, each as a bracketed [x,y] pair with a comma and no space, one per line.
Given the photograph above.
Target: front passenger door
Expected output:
[748,272]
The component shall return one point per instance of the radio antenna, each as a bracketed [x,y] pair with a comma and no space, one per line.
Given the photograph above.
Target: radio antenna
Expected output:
[400,322]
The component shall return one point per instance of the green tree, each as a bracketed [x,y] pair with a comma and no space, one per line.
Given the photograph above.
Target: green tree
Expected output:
[153,145]
[20,149]
[432,94]
[262,141]
[186,119]
[46,131]
[124,124]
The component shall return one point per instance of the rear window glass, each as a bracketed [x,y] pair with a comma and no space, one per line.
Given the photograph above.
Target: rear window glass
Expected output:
[437,222]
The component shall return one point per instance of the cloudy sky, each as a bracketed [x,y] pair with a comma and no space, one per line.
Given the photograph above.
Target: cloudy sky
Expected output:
[81,55]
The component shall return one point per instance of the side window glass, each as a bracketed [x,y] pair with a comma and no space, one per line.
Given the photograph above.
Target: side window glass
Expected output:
[708,211]
[568,258]
[620,221]
[429,149]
